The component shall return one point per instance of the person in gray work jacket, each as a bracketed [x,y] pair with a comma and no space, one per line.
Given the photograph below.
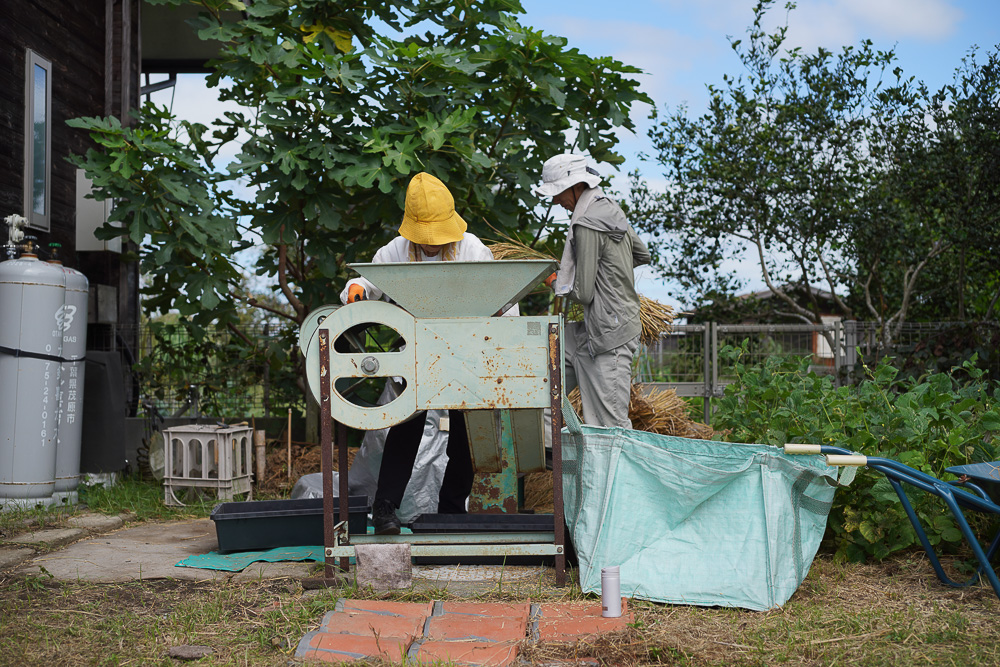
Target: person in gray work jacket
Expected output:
[596,267]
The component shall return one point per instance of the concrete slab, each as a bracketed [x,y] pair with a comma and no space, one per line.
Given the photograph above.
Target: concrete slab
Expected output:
[51,537]
[97,523]
[256,571]
[11,556]
[384,567]
[152,550]
[479,580]
[149,551]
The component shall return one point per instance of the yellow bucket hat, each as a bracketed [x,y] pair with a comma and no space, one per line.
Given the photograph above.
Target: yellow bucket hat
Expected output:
[429,215]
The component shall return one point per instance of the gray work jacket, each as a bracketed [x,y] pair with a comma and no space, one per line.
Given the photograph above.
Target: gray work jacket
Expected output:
[606,249]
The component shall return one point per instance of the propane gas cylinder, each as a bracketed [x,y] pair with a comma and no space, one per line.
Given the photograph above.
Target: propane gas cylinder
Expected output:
[32,294]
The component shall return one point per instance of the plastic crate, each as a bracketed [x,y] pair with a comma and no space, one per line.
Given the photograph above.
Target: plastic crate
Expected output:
[207,458]
[266,524]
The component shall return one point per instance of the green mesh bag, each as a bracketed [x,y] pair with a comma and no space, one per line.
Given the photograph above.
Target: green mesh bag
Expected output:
[693,521]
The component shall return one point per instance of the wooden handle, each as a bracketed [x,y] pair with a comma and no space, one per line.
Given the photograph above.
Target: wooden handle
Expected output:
[796,448]
[846,460]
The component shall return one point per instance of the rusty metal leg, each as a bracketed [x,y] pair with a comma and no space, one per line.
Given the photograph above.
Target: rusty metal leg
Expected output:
[495,493]
[344,494]
[555,385]
[326,447]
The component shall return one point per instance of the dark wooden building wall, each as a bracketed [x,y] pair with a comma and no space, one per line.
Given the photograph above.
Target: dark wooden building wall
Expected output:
[93,47]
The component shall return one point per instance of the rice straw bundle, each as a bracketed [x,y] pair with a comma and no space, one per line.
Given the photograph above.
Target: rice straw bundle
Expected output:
[514,249]
[538,492]
[656,319]
[655,316]
[663,411]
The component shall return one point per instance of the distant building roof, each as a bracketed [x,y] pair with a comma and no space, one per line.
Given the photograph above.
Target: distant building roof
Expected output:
[767,294]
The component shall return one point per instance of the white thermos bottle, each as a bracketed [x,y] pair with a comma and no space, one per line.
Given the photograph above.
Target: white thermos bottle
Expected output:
[611,592]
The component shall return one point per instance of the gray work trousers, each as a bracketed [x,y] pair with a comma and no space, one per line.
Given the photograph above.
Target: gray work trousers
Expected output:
[605,380]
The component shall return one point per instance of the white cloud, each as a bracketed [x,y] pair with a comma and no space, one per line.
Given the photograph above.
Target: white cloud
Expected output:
[836,23]
[933,20]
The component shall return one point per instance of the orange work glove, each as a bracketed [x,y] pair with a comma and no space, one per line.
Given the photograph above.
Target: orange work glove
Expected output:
[355,293]
[551,279]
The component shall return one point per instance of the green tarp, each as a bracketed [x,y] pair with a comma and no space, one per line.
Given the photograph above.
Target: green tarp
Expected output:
[236,562]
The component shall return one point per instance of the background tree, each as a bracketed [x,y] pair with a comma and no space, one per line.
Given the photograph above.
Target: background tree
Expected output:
[340,104]
[779,166]
[939,190]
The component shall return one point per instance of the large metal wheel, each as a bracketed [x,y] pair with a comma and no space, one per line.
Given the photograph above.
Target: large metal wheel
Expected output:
[351,321]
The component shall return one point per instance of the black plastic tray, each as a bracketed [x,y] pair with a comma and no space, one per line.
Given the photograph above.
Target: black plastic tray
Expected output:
[265,524]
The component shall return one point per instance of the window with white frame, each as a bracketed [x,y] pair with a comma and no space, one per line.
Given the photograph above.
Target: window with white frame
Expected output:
[37,141]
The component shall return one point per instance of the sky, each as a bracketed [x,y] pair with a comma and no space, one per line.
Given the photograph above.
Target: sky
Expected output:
[683,45]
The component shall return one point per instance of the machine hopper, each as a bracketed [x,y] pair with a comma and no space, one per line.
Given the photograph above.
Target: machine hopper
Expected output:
[457,289]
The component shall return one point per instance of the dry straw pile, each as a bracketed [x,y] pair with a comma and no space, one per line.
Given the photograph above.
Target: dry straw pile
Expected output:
[659,411]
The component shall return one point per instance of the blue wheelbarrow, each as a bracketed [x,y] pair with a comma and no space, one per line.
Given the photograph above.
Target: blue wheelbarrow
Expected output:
[965,493]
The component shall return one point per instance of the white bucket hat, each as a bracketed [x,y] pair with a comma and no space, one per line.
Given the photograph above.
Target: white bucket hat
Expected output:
[564,171]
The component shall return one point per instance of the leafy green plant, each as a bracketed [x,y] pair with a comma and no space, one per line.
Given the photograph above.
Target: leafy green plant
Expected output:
[223,369]
[37,582]
[929,423]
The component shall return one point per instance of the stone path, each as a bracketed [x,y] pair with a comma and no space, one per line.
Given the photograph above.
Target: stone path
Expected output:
[98,549]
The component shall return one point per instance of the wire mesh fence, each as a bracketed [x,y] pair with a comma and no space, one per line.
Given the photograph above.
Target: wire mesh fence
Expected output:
[687,358]
[817,342]
[679,358]
[221,373]
[689,353]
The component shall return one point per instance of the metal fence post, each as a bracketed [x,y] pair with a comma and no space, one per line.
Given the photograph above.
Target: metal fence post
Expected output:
[711,329]
[838,332]
[850,344]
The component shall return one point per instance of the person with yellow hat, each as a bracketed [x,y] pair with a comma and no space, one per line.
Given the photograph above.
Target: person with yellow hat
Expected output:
[431,231]
[595,270]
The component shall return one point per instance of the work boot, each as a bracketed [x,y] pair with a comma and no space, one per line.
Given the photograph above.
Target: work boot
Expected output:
[384,518]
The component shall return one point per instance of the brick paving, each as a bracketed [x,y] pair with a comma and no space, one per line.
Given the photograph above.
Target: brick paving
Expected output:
[460,633]
[569,621]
